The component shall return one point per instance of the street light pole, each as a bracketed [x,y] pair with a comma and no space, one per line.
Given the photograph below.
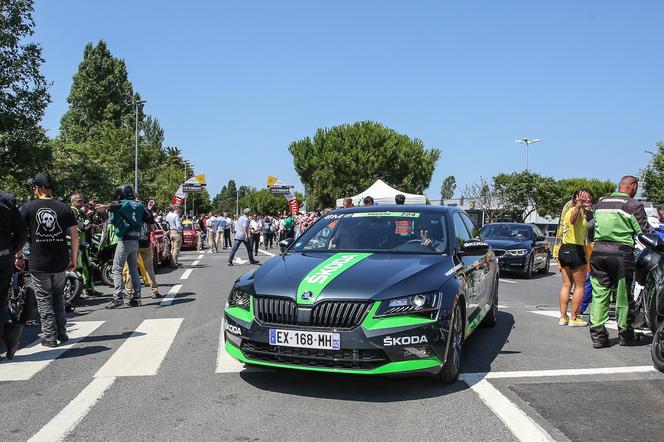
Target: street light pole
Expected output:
[527,142]
[136,103]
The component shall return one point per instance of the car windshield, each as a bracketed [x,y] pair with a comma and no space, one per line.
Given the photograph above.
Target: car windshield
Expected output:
[507,232]
[188,226]
[394,232]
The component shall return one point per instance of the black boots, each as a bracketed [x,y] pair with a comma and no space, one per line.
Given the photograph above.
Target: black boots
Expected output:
[599,336]
[627,338]
[11,335]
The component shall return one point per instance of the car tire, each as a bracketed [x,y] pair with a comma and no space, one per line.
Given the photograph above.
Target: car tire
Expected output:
[657,348]
[529,269]
[545,270]
[449,373]
[491,317]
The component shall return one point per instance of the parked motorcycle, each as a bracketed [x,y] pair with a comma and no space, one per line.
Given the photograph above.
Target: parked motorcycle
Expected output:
[101,252]
[650,275]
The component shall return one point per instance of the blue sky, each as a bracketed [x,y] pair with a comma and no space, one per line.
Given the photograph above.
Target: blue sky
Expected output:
[233,83]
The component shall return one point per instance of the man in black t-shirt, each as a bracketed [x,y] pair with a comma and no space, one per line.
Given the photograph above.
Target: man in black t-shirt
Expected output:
[49,221]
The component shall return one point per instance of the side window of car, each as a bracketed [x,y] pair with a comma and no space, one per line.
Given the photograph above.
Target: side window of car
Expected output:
[460,230]
[470,225]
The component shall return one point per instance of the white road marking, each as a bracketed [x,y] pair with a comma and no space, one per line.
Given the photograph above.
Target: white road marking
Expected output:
[240,261]
[143,352]
[226,363]
[569,372]
[70,416]
[500,306]
[209,251]
[186,274]
[195,263]
[509,281]
[518,422]
[199,257]
[168,299]
[266,252]
[609,324]
[30,360]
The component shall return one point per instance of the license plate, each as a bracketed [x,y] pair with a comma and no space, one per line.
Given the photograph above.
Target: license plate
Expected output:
[304,339]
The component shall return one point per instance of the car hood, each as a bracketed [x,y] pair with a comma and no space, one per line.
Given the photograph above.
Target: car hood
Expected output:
[507,244]
[367,277]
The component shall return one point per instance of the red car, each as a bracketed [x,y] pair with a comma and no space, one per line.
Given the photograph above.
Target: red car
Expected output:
[189,235]
[161,245]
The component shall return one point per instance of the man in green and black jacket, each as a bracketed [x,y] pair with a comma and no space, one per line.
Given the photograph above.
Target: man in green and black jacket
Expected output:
[618,219]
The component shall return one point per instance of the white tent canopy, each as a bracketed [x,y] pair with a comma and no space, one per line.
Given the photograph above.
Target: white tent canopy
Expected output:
[383,194]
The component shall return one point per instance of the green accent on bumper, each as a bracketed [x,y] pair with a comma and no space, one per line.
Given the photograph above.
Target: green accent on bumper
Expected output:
[325,272]
[372,323]
[242,314]
[391,367]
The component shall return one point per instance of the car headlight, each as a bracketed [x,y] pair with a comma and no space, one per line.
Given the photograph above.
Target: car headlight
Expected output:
[420,303]
[239,298]
[517,252]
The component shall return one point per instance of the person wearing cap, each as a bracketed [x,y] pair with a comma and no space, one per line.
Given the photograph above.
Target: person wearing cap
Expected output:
[128,217]
[242,237]
[12,238]
[49,222]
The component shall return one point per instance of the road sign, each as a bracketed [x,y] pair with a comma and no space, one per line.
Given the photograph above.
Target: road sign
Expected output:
[189,188]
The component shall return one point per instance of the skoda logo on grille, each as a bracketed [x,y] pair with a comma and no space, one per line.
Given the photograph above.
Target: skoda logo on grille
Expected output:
[306,296]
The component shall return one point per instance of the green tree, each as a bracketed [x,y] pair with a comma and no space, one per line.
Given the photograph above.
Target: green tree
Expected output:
[225,201]
[346,159]
[23,98]
[448,188]
[262,202]
[101,94]
[525,192]
[653,176]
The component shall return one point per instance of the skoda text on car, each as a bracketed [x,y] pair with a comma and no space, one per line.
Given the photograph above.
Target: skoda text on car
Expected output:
[189,235]
[520,248]
[372,290]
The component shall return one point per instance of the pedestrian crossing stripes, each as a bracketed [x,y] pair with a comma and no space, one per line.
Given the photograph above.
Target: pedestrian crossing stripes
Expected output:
[30,360]
[142,353]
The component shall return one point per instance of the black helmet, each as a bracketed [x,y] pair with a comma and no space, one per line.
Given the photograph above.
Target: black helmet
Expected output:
[124,192]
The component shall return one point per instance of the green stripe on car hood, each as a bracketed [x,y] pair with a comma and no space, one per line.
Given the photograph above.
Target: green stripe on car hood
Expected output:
[324,273]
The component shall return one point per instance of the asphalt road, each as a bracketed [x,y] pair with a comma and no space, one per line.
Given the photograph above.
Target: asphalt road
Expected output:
[153,373]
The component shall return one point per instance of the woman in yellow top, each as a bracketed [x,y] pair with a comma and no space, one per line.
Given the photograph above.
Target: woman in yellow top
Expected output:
[572,257]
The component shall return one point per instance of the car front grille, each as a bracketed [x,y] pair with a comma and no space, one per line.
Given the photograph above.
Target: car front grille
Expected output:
[326,314]
[365,359]
[281,311]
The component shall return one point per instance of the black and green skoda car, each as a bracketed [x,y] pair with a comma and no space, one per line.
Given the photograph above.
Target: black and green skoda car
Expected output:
[370,290]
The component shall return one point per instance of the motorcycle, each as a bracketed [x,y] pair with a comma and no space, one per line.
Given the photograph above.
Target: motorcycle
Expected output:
[101,252]
[650,301]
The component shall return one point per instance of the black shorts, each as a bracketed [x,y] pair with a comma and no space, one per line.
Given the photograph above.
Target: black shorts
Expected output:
[572,256]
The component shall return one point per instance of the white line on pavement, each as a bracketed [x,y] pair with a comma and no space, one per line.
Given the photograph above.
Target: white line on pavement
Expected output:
[143,352]
[609,324]
[168,299]
[195,263]
[569,372]
[186,274]
[199,257]
[266,252]
[225,363]
[518,422]
[32,359]
[70,416]
[509,281]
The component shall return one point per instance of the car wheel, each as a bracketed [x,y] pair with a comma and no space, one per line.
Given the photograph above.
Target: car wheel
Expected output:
[449,373]
[492,316]
[545,270]
[529,269]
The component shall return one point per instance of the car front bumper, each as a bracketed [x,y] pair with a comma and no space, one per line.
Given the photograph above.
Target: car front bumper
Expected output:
[513,263]
[379,346]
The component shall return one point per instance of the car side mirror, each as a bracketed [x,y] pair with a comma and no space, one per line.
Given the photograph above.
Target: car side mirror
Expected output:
[652,241]
[474,247]
[540,239]
[285,244]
